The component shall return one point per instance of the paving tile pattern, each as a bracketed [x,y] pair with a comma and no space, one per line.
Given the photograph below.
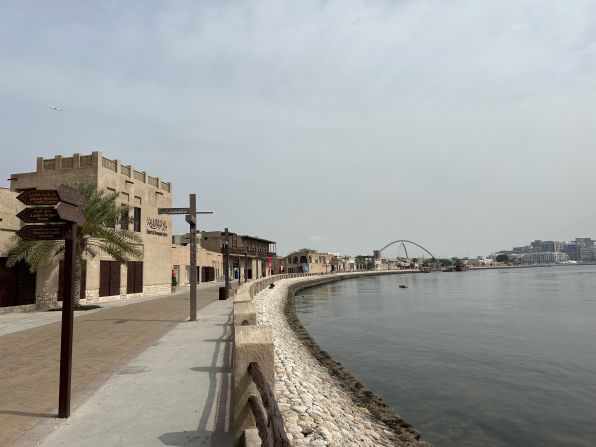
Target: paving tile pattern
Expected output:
[104,342]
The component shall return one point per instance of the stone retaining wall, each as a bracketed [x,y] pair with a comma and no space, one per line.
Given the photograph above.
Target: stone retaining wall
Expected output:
[321,402]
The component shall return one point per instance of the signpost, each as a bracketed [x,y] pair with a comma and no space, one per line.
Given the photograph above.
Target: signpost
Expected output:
[50,232]
[51,222]
[173,210]
[191,219]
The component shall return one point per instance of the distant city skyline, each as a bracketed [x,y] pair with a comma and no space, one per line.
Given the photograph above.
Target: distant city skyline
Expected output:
[465,126]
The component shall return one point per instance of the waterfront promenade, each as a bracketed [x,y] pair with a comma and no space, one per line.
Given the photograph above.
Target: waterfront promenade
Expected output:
[142,374]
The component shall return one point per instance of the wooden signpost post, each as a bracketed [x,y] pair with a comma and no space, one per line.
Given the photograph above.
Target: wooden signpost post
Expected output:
[55,215]
[191,218]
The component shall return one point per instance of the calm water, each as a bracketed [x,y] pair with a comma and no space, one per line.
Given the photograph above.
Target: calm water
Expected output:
[480,358]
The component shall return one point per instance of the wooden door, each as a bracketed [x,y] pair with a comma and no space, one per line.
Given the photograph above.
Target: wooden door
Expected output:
[134,277]
[109,278]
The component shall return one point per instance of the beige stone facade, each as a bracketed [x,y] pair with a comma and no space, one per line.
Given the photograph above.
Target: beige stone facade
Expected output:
[205,259]
[251,257]
[143,194]
[9,222]
[104,279]
[312,261]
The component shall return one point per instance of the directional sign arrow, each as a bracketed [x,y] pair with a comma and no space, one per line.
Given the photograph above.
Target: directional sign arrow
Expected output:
[47,197]
[42,232]
[173,210]
[70,213]
[39,197]
[39,215]
[70,195]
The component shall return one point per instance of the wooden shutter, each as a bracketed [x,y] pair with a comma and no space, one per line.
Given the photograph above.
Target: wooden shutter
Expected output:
[134,277]
[114,278]
[104,278]
[8,285]
[130,277]
[25,284]
[138,277]
[83,293]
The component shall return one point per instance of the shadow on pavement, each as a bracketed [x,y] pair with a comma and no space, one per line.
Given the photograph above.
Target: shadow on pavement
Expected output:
[222,433]
[24,413]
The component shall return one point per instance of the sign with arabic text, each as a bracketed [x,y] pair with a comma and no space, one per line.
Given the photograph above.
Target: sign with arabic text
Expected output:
[157,227]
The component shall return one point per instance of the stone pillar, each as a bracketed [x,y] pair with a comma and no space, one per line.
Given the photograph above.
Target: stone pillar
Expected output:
[39,164]
[96,159]
[76,161]
[245,313]
[251,344]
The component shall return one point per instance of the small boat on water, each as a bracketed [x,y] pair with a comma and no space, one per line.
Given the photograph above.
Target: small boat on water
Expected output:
[403,286]
[425,269]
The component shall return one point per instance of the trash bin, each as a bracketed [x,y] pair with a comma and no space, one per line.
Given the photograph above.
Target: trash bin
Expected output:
[222,293]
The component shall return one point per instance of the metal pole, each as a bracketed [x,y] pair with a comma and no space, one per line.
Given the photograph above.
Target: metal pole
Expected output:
[193,256]
[67,321]
[227,262]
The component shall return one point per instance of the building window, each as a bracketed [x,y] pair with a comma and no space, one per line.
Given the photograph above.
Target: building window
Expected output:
[124,217]
[137,219]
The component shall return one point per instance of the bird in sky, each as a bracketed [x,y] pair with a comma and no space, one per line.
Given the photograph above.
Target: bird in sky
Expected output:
[57,109]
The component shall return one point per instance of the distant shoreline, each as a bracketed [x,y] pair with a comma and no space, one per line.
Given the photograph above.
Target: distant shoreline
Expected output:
[528,266]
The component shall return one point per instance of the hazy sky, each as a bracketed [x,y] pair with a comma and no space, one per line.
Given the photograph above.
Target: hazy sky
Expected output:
[464,125]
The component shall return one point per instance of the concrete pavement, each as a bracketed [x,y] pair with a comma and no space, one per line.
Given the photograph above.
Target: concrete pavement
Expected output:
[176,393]
[105,341]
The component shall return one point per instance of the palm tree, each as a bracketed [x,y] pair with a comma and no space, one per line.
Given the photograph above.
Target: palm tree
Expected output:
[99,232]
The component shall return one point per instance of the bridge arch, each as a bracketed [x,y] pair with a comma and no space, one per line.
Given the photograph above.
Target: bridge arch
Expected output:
[402,241]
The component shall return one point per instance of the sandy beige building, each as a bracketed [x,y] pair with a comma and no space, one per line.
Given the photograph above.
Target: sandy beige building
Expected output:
[105,279]
[251,257]
[209,264]
[312,261]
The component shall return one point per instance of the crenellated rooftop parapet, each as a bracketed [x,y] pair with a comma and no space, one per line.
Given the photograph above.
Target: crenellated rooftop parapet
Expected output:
[98,161]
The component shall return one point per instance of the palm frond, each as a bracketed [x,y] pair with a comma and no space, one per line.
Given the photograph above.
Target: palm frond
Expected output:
[34,253]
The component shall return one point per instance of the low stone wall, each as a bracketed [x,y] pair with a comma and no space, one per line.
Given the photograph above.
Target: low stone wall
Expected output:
[321,402]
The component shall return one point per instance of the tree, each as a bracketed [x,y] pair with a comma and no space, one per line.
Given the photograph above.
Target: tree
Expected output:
[502,258]
[99,232]
[445,262]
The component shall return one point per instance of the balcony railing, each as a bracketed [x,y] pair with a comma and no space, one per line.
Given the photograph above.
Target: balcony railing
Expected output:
[253,253]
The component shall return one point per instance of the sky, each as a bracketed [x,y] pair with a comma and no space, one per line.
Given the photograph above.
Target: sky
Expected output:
[466,126]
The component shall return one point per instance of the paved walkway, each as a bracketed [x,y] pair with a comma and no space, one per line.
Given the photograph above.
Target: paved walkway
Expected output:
[105,341]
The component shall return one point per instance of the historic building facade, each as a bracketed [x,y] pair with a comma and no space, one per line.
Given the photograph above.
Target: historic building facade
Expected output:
[312,261]
[251,257]
[105,279]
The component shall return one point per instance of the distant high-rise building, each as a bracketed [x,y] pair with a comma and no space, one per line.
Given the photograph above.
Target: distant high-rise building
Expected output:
[585,241]
[573,251]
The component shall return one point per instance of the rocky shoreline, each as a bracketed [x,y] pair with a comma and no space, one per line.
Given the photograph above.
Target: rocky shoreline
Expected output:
[321,402]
